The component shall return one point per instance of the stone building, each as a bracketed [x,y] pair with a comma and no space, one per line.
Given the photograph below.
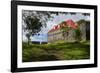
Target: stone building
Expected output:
[56,33]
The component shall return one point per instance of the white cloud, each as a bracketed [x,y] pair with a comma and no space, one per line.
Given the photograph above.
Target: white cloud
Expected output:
[55,21]
[62,17]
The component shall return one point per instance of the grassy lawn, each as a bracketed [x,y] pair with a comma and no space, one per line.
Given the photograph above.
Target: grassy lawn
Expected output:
[56,51]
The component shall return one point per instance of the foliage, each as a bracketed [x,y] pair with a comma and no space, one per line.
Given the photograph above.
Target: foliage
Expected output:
[81,21]
[77,34]
[64,29]
[33,26]
[33,21]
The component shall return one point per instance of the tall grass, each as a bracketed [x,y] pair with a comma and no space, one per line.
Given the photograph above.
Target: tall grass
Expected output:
[56,51]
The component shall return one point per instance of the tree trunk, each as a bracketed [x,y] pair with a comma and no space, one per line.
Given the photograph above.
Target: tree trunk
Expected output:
[28,40]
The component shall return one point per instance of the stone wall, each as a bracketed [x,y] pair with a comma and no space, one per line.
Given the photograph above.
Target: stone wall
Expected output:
[69,36]
[83,31]
[54,36]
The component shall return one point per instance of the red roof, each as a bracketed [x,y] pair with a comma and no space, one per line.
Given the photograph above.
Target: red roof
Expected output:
[69,23]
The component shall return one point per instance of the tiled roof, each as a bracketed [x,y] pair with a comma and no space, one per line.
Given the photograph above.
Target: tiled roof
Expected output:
[69,23]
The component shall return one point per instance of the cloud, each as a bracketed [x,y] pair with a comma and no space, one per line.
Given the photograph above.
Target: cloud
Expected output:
[55,21]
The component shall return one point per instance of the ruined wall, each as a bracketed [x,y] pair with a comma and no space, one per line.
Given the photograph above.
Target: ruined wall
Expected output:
[83,31]
[69,35]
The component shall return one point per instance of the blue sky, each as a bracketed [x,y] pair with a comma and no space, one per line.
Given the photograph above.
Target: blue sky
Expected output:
[42,37]
[56,20]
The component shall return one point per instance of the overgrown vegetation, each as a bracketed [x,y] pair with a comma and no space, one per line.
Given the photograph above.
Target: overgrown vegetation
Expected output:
[59,50]
[78,34]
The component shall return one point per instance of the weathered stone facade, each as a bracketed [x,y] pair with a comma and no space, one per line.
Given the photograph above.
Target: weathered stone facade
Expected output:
[68,36]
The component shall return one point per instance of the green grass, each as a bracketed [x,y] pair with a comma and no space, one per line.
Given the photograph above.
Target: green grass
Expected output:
[59,50]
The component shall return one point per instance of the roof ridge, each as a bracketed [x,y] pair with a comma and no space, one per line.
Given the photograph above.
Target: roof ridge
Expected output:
[69,22]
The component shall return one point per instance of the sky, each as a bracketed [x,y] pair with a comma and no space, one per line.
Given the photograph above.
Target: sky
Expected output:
[55,21]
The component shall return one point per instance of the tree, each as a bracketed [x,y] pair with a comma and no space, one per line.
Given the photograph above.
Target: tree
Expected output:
[33,21]
[33,26]
[81,21]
